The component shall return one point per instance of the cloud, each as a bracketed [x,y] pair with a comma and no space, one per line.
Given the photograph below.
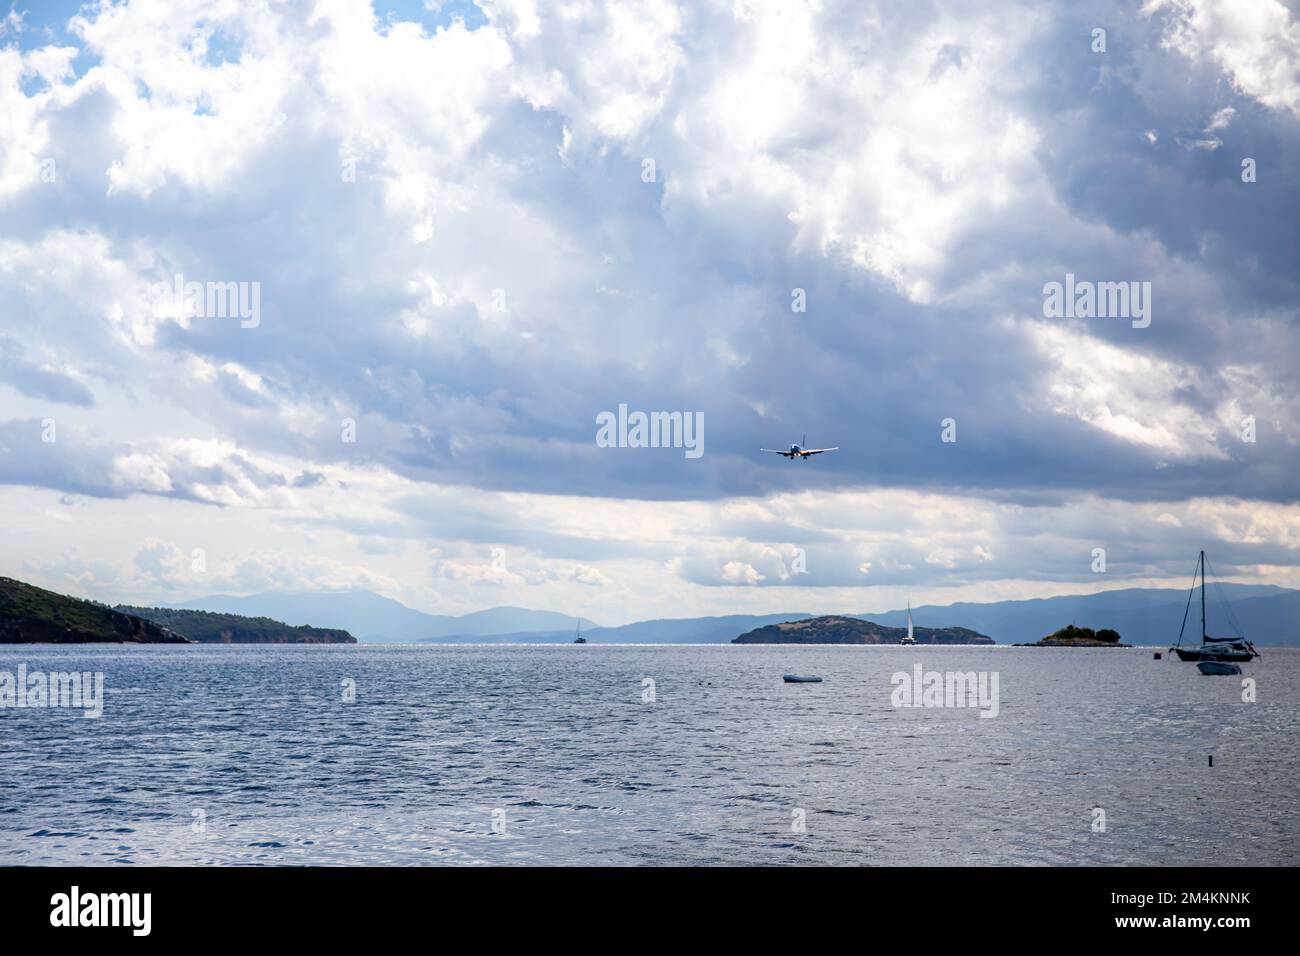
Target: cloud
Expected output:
[461,251]
[1255,42]
[40,380]
[901,192]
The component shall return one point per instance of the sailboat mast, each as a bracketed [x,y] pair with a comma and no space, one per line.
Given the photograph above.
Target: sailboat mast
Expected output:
[1202,597]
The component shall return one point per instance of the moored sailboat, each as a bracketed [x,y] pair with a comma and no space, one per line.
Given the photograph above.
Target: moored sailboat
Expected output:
[1213,649]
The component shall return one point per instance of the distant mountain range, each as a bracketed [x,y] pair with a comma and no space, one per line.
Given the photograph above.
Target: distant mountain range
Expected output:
[1267,614]
[671,630]
[375,619]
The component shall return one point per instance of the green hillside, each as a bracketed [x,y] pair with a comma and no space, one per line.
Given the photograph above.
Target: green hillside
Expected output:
[32,615]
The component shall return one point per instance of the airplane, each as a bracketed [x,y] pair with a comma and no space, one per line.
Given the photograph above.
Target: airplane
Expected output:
[798,451]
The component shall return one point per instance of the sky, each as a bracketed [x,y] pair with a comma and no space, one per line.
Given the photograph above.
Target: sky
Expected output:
[463,231]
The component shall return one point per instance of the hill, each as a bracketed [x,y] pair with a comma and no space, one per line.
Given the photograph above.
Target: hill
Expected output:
[206,627]
[32,615]
[836,629]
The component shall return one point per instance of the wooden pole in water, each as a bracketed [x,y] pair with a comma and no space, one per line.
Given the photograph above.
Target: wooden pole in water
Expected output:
[1211,760]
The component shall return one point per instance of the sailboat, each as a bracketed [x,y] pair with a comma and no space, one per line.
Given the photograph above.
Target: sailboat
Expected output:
[1215,650]
[910,639]
[578,638]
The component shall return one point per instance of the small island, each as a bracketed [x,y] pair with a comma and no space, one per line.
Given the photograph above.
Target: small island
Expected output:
[834,629]
[1071,636]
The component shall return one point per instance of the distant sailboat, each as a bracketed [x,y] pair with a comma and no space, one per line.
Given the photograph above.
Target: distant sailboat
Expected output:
[578,638]
[910,639]
[1218,650]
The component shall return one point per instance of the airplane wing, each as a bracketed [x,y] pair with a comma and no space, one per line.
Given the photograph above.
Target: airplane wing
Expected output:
[775,451]
[818,451]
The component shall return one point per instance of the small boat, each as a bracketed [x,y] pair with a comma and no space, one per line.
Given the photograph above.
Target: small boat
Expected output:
[1212,649]
[801,679]
[1217,667]
[910,639]
[579,639]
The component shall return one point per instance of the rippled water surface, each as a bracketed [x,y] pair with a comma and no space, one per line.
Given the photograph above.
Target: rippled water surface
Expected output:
[250,755]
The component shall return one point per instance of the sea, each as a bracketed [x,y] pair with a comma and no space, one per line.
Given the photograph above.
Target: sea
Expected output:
[650,755]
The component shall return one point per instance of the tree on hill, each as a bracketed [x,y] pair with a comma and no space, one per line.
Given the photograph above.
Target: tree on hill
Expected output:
[1070,632]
